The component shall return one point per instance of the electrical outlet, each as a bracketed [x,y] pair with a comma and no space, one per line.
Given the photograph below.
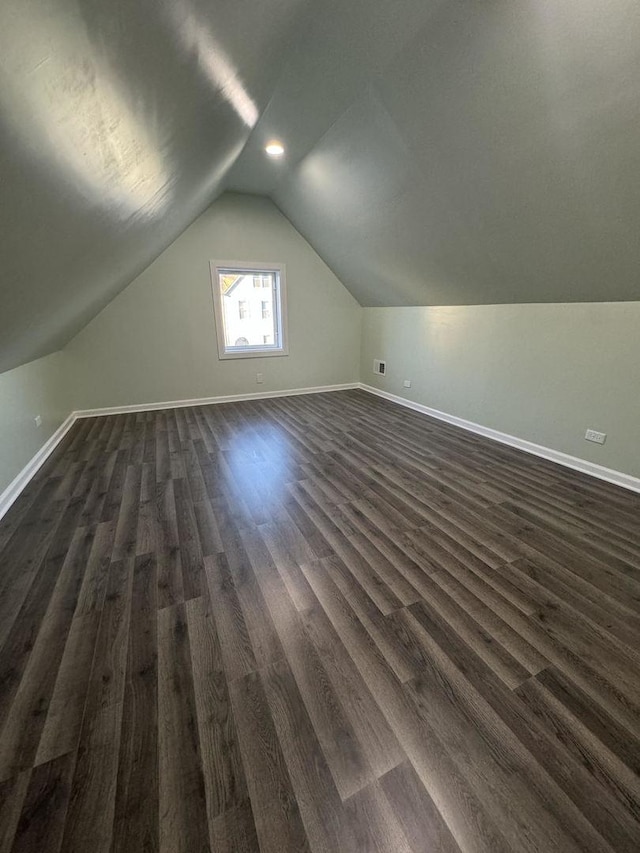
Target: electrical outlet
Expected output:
[259,378]
[594,435]
[407,383]
[38,420]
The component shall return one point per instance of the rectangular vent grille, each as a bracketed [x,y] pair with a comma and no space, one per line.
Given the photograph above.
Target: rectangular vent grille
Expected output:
[379,367]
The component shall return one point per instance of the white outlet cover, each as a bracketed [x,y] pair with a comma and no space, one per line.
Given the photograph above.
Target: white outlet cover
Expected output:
[407,383]
[594,435]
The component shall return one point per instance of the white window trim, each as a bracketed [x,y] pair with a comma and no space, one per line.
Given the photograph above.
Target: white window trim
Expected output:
[257,351]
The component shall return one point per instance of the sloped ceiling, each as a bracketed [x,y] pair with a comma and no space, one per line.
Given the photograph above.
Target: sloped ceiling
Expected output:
[118,123]
[438,151]
[464,152]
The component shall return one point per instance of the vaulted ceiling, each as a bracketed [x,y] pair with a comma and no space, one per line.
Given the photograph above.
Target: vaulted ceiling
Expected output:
[438,151]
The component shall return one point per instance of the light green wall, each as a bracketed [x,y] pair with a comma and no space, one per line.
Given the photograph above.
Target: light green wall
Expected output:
[156,341]
[544,373]
[37,388]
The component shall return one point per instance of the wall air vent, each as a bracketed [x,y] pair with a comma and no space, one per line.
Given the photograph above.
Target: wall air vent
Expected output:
[379,367]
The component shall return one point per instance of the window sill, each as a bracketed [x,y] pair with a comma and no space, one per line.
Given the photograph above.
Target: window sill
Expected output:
[254,353]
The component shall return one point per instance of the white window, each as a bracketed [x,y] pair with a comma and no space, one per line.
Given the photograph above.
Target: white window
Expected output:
[250,309]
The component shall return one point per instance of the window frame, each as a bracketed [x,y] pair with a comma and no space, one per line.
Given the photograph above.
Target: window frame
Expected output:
[280,309]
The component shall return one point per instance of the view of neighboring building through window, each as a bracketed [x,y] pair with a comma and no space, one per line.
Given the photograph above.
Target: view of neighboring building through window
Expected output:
[250,309]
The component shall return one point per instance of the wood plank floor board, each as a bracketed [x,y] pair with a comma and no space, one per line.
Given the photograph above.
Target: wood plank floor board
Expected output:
[275,807]
[593,717]
[208,531]
[264,637]
[94,504]
[182,796]
[12,794]
[224,779]
[145,533]
[23,631]
[61,730]
[193,472]
[321,808]
[113,497]
[238,655]
[167,547]
[127,526]
[136,818]
[44,811]
[94,581]
[318,623]
[234,830]
[421,821]
[345,754]
[25,553]
[109,666]
[90,813]
[191,562]
[162,458]
[289,551]
[314,535]
[374,823]
[26,717]
[378,742]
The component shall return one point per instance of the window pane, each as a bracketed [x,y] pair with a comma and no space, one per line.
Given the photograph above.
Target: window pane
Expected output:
[250,309]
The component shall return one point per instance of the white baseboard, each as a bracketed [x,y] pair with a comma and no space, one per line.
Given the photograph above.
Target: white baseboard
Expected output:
[9,495]
[618,478]
[210,401]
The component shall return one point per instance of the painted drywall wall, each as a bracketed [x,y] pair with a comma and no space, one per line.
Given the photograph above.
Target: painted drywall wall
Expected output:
[36,388]
[156,341]
[544,373]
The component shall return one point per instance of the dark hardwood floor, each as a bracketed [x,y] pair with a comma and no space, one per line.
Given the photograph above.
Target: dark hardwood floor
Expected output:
[316,623]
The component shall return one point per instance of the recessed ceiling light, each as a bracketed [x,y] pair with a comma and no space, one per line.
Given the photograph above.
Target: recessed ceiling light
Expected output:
[275,149]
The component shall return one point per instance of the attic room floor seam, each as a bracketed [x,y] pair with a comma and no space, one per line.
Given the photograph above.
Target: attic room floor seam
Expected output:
[321,623]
